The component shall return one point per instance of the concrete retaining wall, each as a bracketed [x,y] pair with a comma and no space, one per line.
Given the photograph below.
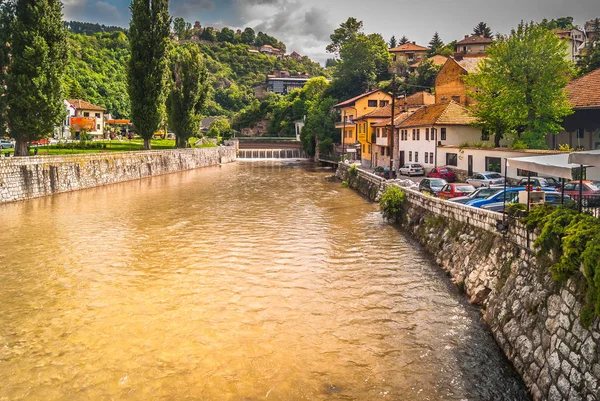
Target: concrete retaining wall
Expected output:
[32,177]
[534,319]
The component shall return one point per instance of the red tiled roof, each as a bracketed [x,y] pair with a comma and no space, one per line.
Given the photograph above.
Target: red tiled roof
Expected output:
[437,60]
[474,40]
[439,114]
[584,92]
[350,102]
[409,47]
[420,99]
[83,105]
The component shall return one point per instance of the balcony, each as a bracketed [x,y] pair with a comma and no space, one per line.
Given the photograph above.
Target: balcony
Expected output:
[340,124]
[383,140]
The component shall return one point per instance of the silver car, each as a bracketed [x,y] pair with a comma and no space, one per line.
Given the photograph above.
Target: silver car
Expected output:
[486,179]
[4,144]
[411,169]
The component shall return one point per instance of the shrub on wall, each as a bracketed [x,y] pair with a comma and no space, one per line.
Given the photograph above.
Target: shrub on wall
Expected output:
[392,202]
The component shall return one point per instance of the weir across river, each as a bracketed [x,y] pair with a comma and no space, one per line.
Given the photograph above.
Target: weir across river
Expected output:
[271,149]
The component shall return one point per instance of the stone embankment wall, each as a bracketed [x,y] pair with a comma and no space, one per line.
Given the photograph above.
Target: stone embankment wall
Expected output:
[32,177]
[534,319]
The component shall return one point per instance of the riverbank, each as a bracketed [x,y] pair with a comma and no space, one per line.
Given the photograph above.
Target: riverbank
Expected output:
[24,178]
[534,319]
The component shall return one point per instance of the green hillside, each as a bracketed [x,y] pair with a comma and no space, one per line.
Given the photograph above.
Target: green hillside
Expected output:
[97,71]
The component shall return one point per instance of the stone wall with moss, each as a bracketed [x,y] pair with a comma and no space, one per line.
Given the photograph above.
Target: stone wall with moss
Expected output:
[534,319]
[32,177]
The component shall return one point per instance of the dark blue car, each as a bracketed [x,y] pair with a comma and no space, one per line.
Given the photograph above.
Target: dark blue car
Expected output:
[499,197]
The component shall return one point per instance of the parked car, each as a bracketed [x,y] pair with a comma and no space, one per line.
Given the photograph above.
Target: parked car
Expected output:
[4,144]
[590,192]
[552,198]
[411,169]
[445,173]
[432,185]
[486,179]
[499,196]
[384,172]
[41,142]
[480,193]
[541,182]
[455,190]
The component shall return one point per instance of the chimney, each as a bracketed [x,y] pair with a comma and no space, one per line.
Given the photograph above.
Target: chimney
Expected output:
[466,36]
[414,43]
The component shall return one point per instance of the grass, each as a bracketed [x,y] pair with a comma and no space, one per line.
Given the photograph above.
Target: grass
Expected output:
[111,146]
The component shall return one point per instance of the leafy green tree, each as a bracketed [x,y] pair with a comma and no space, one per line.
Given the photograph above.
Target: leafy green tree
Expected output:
[181,28]
[38,48]
[319,125]
[331,62]
[220,128]
[226,35]
[248,36]
[482,29]
[188,92]
[6,21]
[591,58]
[345,33]
[403,40]
[449,49]
[435,45]
[90,28]
[208,34]
[393,42]
[264,39]
[423,78]
[149,40]
[558,23]
[520,88]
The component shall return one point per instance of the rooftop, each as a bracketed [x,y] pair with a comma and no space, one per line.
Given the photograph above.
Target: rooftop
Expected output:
[420,99]
[470,64]
[409,47]
[474,40]
[83,105]
[350,102]
[584,92]
[439,114]
[437,60]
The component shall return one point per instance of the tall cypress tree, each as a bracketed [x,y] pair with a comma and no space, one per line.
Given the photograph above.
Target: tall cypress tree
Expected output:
[149,32]
[38,48]
[188,93]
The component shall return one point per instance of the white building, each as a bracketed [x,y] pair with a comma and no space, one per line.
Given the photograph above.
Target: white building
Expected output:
[88,117]
[435,126]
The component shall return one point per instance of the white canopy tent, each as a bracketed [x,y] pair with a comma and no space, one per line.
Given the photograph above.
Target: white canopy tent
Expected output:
[551,165]
[589,158]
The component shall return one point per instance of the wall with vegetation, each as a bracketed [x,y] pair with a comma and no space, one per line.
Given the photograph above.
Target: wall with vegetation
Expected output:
[535,319]
[32,177]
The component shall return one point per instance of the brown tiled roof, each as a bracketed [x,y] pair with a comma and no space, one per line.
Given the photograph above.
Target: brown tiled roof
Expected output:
[382,112]
[384,122]
[439,114]
[350,102]
[409,47]
[83,105]
[470,64]
[474,40]
[437,60]
[584,92]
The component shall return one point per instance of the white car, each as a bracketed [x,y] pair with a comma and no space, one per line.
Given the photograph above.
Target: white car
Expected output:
[486,179]
[411,169]
[4,144]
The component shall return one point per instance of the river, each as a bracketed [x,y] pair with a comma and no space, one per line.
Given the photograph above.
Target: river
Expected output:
[251,281]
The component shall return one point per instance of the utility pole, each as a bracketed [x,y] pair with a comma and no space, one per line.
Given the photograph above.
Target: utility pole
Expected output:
[343,137]
[391,134]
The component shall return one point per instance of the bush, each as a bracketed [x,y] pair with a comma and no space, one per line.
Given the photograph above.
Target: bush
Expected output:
[392,202]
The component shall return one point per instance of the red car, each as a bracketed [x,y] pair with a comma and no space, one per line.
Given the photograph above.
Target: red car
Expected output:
[41,142]
[450,191]
[590,192]
[444,173]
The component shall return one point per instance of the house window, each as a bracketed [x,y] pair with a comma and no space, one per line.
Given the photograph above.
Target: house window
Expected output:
[493,164]
[414,134]
[86,114]
[431,160]
[443,135]
[451,159]
[372,103]
[485,135]
[580,133]
[426,158]
[416,157]
[97,115]
[418,134]
[426,135]
[384,103]
[369,148]
[98,127]
[410,156]
[456,99]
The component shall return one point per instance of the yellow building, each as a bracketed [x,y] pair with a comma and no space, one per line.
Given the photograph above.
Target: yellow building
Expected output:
[357,138]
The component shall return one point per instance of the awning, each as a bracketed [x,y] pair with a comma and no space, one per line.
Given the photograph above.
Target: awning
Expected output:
[551,165]
[590,158]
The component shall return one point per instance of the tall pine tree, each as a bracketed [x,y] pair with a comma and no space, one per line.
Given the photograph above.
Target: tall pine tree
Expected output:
[149,32]
[482,29]
[435,45]
[403,40]
[393,42]
[38,47]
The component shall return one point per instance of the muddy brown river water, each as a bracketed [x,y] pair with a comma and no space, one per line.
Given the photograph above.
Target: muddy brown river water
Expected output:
[251,281]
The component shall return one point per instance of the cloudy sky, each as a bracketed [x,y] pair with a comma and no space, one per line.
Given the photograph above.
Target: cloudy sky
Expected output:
[305,25]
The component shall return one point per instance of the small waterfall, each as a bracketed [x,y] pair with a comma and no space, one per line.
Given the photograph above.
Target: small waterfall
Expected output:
[272,154]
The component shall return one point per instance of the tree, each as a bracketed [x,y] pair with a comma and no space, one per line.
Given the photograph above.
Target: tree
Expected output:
[188,92]
[521,87]
[6,21]
[248,36]
[435,45]
[220,128]
[403,40]
[482,29]
[149,40]
[226,35]
[181,28]
[208,34]
[424,77]
[591,58]
[346,32]
[331,62]
[393,43]
[559,23]
[38,46]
